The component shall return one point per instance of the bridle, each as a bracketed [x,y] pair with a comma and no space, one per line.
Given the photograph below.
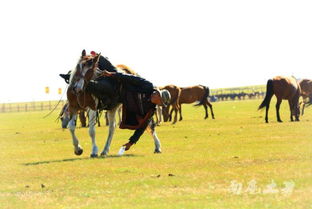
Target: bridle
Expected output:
[80,75]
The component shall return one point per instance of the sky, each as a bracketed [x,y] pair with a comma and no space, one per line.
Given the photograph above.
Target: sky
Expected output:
[219,43]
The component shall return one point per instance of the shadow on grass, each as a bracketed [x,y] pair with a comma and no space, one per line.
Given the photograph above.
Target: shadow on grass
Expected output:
[77,159]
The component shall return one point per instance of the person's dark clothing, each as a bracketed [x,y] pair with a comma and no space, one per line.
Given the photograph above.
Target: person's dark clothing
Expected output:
[137,107]
[134,93]
[106,89]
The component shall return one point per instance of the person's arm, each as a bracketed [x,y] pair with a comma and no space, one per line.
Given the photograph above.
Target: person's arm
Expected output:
[138,132]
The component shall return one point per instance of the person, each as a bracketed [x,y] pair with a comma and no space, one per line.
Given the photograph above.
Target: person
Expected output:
[139,98]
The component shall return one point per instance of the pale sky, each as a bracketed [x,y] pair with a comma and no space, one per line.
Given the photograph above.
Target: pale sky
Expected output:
[220,43]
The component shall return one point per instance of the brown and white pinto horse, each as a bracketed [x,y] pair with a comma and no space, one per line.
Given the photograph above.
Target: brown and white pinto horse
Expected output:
[79,99]
[195,93]
[283,88]
[306,92]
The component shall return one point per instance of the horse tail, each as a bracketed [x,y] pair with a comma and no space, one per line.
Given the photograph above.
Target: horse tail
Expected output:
[206,95]
[268,95]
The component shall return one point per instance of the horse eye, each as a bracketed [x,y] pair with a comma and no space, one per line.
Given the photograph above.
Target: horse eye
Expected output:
[89,62]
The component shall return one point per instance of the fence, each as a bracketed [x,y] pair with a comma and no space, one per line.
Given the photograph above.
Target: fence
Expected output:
[31,106]
[239,93]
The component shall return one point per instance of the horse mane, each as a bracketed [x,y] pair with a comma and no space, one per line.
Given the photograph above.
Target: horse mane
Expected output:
[126,69]
[73,72]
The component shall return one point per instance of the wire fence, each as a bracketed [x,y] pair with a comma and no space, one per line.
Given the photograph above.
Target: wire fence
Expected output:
[31,106]
[240,93]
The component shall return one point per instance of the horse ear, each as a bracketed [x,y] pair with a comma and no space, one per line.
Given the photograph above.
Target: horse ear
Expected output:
[83,53]
[97,58]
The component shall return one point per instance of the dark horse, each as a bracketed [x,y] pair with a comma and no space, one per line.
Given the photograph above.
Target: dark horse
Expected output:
[105,95]
[283,88]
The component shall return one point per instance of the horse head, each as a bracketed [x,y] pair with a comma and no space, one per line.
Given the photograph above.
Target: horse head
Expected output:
[84,72]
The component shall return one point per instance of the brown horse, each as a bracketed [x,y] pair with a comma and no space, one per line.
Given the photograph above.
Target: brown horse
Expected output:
[192,94]
[174,102]
[88,68]
[306,92]
[283,88]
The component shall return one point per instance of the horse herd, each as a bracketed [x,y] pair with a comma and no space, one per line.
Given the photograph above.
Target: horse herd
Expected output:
[90,66]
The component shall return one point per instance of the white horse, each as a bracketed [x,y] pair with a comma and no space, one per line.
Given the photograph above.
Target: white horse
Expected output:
[85,71]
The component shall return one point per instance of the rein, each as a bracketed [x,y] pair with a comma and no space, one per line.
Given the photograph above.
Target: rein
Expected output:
[56,105]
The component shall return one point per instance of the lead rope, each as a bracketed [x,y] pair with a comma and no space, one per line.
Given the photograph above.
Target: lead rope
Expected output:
[56,105]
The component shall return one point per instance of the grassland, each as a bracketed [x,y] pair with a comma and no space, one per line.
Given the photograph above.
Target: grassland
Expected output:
[203,157]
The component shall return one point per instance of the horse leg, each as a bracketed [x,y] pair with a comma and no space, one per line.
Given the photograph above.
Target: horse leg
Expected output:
[303,105]
[151,129]
[92,123]
[210,106]
[180,112]
[158,115]
[119,114]
[175,114]
[291,109]
[106,119]
[206,111]
[111,125]
[278,104]
[98,118]
[72,126]
[170,113]
[82,119]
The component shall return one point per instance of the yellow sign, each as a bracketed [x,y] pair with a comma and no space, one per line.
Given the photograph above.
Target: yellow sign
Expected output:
[59,91]
[47,90]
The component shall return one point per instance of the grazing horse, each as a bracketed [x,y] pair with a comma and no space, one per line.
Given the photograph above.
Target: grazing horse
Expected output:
[195,93]
[174,103]
[306,92]
[90,67]
[283,88]
[64,116]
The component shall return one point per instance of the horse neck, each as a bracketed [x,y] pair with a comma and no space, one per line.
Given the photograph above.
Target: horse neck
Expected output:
[104,64]
[80,102]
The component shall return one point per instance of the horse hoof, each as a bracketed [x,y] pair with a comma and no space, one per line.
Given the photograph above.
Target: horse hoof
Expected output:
[103,154]
[280,121]
[157,151]
[78,152]
[94,155]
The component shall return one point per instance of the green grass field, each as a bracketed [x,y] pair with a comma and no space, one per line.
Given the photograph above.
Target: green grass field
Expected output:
[271,163]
